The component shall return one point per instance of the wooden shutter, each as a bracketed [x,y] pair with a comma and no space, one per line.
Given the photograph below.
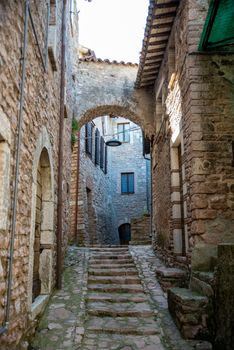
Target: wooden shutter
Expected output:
[124,183]
[120,132]
[131,183]
[105,168]
[88,138]
[102,152]
[218,31]
[126,134]
[127,183]
[97,147]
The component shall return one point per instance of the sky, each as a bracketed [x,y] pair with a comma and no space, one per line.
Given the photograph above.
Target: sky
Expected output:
[113,29]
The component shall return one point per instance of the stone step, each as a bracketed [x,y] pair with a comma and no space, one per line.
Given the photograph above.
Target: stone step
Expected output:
[189,311]
[109,246]
[141,242]
[171,277]
[117,297]
[123,325]
[108,250]
[112,266]
[113,272]
[110,261]
[110,288]
[111,257]
[114,280]
[122,341]
[119,310]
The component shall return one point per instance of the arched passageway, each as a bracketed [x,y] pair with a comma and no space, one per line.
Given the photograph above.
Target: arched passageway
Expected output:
[114,182]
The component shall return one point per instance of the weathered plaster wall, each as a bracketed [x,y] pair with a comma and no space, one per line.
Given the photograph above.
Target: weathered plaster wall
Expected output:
[40,115]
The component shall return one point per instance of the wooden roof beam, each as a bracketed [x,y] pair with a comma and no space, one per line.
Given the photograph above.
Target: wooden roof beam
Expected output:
[165,15]
[167,4]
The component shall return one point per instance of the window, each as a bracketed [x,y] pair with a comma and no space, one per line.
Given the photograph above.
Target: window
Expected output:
[97,147]
[123,132]
[89,138]
[127,183]
[102,143]
[52,35]
[73,16]
[105,167]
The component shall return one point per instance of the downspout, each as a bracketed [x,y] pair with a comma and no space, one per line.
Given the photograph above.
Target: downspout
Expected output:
[77,186]
[5,326]
[60,153]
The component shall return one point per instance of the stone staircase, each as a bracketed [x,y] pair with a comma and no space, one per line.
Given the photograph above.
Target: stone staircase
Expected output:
[120,314]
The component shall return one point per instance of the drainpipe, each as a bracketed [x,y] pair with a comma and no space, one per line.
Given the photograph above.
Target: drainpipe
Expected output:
[60,152]
[5,326]
[77,185]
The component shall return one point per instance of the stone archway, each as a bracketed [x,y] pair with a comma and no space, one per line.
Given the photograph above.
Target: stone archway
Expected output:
[113,110]
[106,88]
[40,280]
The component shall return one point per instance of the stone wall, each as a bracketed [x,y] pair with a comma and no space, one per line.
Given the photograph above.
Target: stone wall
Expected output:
[197,90]
[108,88]
[141,230]
[40,130]
[128,158]
[96,216]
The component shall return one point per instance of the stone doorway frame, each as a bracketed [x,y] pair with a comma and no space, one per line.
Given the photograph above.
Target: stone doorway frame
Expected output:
[179,205]
[44,150]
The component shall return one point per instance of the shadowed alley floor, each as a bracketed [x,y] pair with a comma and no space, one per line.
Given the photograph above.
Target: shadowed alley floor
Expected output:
[110,300]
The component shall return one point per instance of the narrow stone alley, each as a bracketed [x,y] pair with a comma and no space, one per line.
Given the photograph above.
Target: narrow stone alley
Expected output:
[110,299]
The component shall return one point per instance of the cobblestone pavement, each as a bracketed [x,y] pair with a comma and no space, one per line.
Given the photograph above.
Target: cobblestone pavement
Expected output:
[110,300]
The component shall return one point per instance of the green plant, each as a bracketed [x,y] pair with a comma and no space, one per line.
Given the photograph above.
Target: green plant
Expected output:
[75,128]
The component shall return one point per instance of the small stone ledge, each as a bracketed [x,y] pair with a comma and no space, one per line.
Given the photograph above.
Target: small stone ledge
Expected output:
[189,310]
[39,305]
[202,282]
[171,277]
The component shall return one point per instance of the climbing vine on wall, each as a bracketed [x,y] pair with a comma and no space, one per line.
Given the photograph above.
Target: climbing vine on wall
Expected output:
[75,128]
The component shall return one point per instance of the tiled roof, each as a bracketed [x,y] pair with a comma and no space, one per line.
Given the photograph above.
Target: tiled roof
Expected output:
[99,60]
[160,19]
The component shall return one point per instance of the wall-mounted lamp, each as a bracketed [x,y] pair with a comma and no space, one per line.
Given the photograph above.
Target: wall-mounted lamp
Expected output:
[113,143]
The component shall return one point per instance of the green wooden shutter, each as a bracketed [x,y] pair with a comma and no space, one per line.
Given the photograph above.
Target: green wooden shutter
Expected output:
[218,32]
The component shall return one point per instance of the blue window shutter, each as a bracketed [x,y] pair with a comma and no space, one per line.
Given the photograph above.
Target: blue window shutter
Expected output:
[131,183]
[127,182]
[126,132]
[124,183]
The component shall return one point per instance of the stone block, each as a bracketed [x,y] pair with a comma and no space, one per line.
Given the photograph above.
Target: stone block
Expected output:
[46,268]
[204,257]
[224,301]
[171,277]
[189,311]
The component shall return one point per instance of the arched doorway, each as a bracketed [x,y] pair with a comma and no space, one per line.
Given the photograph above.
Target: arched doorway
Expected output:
[42,234]
[43,229]
[124,233]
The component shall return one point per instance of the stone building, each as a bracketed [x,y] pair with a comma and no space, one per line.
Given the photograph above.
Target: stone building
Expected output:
[187,60]
[31,130]
[181,95]
[114,183]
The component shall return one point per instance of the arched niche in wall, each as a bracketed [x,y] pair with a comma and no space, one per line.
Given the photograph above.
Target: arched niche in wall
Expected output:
[40,281]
